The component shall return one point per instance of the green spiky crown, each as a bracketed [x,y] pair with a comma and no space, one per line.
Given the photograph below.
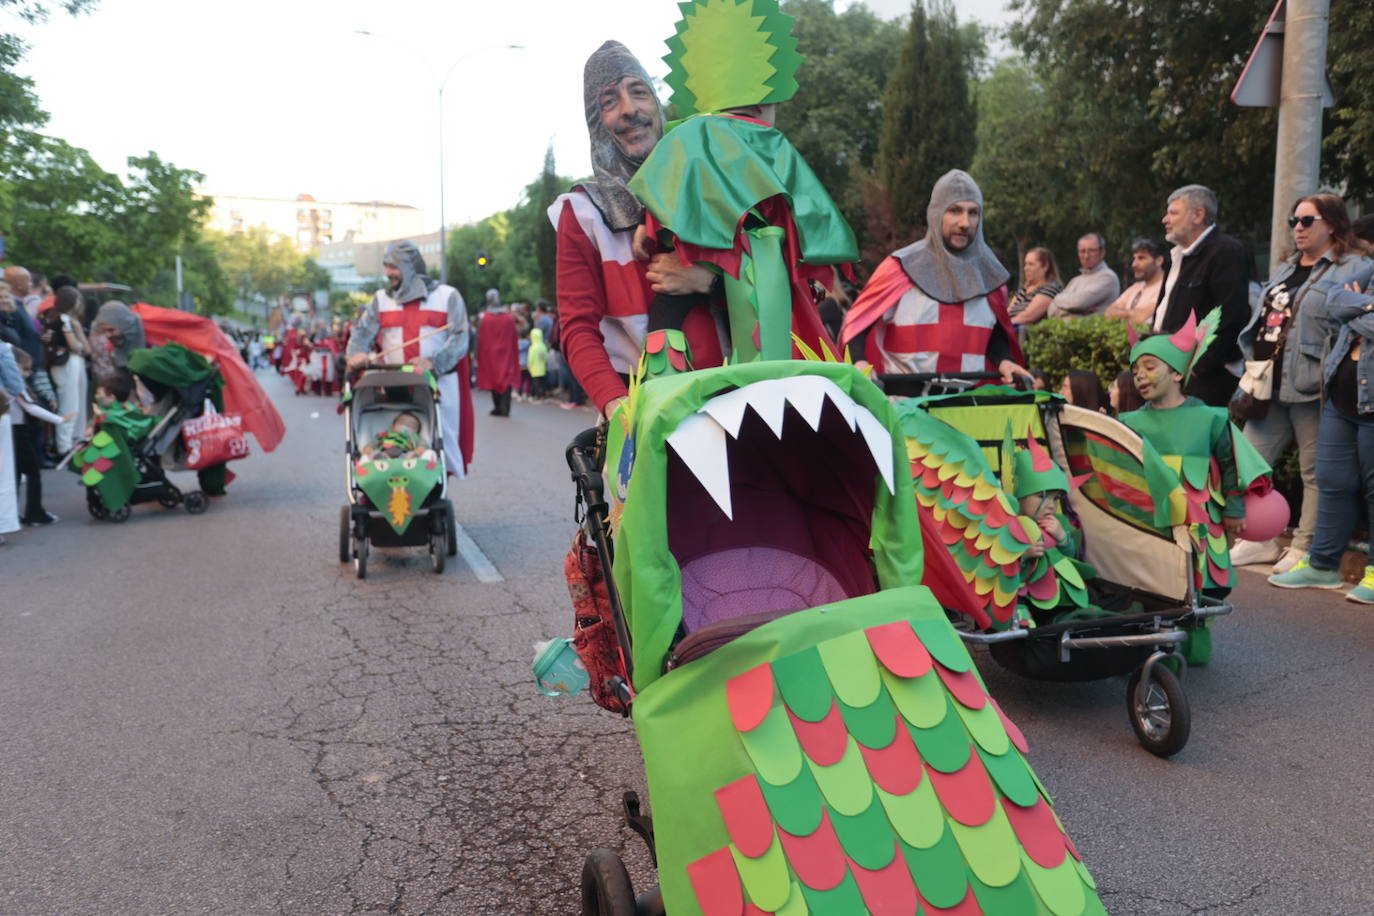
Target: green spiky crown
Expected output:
[731,53]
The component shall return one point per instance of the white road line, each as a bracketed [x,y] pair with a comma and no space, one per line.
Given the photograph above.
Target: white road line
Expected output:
[476,560]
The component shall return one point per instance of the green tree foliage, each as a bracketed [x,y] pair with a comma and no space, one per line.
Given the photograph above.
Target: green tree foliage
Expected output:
[520,243]
[835,118]
[1349,144]
[264,265]
[927,114]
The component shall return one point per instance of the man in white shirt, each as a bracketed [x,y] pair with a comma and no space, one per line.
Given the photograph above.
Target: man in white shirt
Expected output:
[1137,304]
[1095,286]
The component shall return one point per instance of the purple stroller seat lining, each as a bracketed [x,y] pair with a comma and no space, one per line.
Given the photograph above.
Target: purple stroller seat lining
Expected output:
[741,581]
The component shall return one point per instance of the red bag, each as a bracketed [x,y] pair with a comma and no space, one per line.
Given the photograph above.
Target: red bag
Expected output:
[594,637]
[213,438]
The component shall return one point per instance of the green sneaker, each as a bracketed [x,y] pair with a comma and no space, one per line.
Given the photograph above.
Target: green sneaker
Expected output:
[1303,575]
[1364,592]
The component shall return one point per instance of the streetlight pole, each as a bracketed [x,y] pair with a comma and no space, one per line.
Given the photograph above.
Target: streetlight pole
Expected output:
[443,223]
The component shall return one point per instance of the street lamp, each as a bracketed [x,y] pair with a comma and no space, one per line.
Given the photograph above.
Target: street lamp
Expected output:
[443,225]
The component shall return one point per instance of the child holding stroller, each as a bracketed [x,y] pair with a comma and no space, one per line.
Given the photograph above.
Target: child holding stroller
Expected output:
[1215,464]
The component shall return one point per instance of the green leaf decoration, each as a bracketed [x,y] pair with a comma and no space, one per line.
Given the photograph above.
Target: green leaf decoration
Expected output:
[991,849]
[796,806]
[1012,776]
[101,439]
[874,725]
[774,748]
[1060,887]
[866,837]
[920,700]
[766,879]
[846,785]
[1018,897]
[805,688]
[731,53]
[945,746]
[940,871]
[795,905]
[917,817]
[91,478]
[852,668]
[844,900]
[986,728]
[943,643]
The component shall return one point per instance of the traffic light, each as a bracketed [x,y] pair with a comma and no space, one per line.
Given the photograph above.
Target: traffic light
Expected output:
[482,260]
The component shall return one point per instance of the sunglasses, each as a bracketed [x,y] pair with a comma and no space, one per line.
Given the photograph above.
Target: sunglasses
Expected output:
[1306,221]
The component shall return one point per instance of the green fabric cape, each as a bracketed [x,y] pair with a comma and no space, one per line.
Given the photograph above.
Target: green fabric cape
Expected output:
[646,573]
[383,479]
[710,170]
[175,366]
[106,464]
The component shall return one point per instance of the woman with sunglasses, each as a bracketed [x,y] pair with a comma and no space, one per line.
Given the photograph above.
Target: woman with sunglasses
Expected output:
[1293,328]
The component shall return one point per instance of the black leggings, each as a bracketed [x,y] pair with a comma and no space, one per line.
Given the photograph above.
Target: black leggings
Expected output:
[26,463]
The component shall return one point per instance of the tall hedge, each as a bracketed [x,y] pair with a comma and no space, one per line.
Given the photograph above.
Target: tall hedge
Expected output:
[1056,345]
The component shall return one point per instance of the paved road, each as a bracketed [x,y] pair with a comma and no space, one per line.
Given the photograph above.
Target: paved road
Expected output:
[209,714]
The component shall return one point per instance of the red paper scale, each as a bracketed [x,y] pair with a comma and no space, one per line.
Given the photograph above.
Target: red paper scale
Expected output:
[824,741]
[750,696]
[1038,832]
[967,793]
[747,820]
[818,860]
[717,884]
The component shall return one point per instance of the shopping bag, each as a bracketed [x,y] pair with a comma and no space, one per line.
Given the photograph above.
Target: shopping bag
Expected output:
[213,438]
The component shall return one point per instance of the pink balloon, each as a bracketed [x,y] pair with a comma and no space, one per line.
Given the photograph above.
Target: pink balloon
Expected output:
[1265,516]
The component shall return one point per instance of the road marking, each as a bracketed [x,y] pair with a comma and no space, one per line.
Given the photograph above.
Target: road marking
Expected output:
[476,560]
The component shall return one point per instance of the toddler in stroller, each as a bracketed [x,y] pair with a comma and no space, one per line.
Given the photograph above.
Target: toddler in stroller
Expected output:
[121,459]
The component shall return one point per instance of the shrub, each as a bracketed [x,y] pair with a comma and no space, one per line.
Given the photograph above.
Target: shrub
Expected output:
[1097,344]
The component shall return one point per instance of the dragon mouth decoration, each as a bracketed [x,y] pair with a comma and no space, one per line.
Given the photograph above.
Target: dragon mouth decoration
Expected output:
[771,491]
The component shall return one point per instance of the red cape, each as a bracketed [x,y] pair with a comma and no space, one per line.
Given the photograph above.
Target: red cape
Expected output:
[498,352]
[242,393]
[887,285]
[466,426]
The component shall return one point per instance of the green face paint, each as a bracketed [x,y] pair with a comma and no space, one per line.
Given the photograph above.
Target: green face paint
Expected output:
[1154,379]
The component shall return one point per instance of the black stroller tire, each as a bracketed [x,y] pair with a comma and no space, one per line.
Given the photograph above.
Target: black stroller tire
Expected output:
[450,528]
[1159,711]
[606,888]
[96,506]
[360,557]
[121,514]
[345,535]
[438,548]
[169,498]
[196,502]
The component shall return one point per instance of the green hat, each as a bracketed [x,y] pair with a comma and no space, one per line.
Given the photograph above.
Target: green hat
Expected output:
[1181,350]
[731,53]
[1035,471]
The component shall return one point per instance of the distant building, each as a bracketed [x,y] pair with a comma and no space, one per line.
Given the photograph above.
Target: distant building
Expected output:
[312,223]
[352,264]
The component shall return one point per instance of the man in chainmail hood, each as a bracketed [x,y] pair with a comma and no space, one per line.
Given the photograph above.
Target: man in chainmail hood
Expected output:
[939,304]
[603,292]
[420,322]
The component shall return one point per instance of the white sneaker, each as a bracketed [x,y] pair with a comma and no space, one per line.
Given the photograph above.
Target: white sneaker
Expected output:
[1289,559]
[1253,553]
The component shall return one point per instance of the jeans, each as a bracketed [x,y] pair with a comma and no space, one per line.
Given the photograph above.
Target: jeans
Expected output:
[1285,423]
[1345,469]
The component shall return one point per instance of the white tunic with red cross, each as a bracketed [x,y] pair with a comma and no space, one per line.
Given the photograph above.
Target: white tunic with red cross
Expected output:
[919,334]
[399,325]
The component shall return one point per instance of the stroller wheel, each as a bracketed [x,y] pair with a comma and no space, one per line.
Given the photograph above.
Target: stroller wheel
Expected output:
[451,528]
[170,498]
[1158,710]
[438,549]
[196,502]
[95,506]
[360,556]
[121,514]
[345,536]
[606,888]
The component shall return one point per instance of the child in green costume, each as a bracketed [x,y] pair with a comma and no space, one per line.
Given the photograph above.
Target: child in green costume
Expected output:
[1214,463]
[115,407]
[725,188]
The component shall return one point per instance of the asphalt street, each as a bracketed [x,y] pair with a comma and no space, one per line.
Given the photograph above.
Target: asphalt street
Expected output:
[209,714]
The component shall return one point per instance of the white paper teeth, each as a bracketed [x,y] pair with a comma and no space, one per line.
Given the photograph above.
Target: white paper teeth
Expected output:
[700,442]
[700,439]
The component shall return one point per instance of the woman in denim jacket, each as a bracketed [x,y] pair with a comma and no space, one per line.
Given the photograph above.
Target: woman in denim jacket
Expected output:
[1345,433]
[1293,328]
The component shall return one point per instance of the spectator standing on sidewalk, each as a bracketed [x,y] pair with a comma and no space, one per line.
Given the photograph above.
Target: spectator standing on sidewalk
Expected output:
[1094,288]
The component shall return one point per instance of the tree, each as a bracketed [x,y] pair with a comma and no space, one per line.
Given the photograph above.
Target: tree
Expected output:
[260,264]
[546,239]
[1349,144]
[927,114]
[834,120]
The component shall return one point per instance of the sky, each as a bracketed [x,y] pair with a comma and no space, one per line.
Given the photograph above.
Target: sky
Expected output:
[275,98]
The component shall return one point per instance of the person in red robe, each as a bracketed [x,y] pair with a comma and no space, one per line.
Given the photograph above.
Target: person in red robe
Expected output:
[498,353]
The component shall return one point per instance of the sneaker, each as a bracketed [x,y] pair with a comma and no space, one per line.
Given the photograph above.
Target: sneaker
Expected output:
[1254,553]
[46,519]
[1364,592]
[1303,575]
[1290,558]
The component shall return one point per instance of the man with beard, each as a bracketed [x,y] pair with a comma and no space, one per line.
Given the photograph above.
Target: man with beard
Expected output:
[604,293]
[423,323]
[940,304]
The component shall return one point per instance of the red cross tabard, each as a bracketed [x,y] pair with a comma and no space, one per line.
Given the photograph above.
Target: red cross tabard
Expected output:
[411,318]
[950,338]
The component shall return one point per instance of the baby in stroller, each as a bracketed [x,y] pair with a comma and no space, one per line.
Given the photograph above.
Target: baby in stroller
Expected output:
[402,439]
[115,406]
